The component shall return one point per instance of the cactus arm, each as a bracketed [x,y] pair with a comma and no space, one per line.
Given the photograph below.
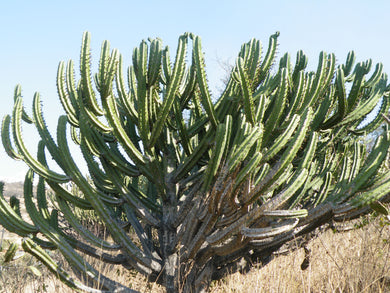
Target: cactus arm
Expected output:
[246,91]
[315,89]
[298,137]
[323,109]
[85,71]
[378,120]
[6,140]
[281,198]
[266,64]
[103,61]
[217,152]
[107,69]
[285,62]
[223,234]
[342,101]
[241,131]
[93,119]
[113,118]
[11,252]
[64,97]
[14,202]
[14,222]
[310,151]
[117,159]
[341,93]
[282,139]
[30,161]
[242,151]
[185,139]
[248,170]
[286,214]
[71,86]
[255,60]
[198,238]
[260,107]
[125,96]
[166,66]
[342,178]
[371,164]
[377,180]
[18,94]
[375,77]
[86,140]
[324,190]
[189,162]
[268,193]
[140,55]
[330,71]
[356,162]
[202,82]
[264,169]
[372,195]
[154,63]
[75,135]
[113,155]
[278,105]
[43,131]
[300,65]
[69,197]
[261,233]
[42,202]
[356,88]
[5,221]
[366,107]
[199,122]
[347,67]
[251,54]
[173,86]
[97,253]
[143,99]
[99,178]
[190,87]
[299,91]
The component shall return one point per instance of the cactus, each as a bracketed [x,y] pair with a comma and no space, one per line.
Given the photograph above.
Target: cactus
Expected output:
[225,182]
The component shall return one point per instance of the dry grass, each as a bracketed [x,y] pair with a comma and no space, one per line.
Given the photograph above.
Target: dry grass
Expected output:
[354,261]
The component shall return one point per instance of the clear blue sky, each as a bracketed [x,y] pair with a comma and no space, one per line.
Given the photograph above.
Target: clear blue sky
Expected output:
[36,35]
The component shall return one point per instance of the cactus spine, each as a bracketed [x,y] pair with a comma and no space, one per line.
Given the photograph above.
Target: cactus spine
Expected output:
[277,155]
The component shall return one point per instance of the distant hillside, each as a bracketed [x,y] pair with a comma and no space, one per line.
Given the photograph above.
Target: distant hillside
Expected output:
[14,188]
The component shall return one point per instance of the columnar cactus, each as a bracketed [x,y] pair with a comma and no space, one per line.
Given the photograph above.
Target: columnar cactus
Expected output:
[225,182]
